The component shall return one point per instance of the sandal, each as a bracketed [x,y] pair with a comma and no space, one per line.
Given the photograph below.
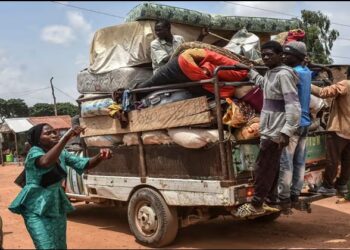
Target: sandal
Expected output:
[267,208]
[247,210]
[342,201]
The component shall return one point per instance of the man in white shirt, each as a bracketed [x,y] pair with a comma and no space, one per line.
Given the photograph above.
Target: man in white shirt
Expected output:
[164,45]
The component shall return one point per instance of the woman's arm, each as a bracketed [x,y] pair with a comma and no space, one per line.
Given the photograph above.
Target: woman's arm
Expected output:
[104,154]
[52,155]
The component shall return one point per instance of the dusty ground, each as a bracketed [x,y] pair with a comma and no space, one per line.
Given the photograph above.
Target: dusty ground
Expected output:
[97,227]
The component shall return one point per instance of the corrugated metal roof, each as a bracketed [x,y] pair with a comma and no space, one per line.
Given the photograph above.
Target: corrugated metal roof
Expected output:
[4,128]
[57,122]
[18,125]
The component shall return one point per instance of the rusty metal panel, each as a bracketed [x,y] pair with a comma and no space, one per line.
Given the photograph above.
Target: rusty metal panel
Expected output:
[125,162]
[178,162]
[167,161]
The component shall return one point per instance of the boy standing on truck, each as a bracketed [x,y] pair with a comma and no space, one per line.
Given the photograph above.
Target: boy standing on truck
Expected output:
[338,141]
[279,120]
[292,164]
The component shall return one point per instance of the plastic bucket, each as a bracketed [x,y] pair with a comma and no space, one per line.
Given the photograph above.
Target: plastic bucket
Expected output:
[9,158]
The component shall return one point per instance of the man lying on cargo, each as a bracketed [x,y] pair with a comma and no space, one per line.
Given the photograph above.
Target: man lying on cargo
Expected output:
[279,120]
[195,65]
[166,43]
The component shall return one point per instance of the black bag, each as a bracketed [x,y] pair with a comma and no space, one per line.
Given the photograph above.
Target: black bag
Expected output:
[53,176]
[21,179]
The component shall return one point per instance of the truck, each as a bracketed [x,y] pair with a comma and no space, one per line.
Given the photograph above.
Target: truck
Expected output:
[167,186]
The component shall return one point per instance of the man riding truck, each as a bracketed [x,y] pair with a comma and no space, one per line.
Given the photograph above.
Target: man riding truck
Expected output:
[338,141]
[279,119]
[166,43]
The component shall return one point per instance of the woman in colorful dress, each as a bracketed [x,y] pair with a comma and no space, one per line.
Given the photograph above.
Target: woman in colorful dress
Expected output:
[42,202]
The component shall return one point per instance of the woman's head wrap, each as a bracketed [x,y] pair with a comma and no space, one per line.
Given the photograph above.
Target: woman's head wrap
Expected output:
[33,134]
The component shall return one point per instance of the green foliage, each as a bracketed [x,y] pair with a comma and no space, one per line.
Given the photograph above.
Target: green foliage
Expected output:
[41,109]
[319,38]
[66,108]
[13,108]
[45,109]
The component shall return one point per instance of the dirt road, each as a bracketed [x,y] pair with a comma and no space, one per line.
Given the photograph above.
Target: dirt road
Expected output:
[97,227]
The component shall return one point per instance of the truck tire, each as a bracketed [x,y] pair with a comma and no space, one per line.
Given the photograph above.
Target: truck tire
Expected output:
[150,219]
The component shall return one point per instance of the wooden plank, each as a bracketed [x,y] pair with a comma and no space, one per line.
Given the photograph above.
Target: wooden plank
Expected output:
[182,113]
[101,125]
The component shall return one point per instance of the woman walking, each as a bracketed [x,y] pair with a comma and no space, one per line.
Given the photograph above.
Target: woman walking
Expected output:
[42,202]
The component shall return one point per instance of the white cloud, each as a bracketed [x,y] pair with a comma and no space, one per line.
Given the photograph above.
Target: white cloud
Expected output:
[78,22]
[58,34]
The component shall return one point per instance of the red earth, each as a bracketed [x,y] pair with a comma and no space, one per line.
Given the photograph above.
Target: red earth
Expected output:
[94,226]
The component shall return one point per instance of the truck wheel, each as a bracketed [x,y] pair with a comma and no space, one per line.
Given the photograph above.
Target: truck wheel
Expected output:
[150,219]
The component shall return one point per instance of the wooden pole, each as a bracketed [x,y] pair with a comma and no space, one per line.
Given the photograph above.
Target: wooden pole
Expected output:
[54,98]
[16,148]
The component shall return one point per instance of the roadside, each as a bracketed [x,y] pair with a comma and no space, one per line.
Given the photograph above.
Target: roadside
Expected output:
[97,227]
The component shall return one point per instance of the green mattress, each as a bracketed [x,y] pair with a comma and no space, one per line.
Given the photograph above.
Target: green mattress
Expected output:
[152,11]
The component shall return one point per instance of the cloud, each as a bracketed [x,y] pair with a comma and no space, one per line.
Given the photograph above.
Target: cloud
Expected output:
[78,22]
[58,34]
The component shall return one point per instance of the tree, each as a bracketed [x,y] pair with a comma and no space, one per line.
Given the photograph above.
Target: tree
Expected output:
[45,109]
[13,108]
[319,38]
[41,109]
[66,108]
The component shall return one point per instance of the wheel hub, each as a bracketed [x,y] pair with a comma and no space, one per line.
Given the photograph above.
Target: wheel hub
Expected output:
[147,219]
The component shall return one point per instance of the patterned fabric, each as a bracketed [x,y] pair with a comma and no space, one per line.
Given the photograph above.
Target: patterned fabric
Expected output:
[150,11]
[46,232]
[44,209]
[50,201]
[146,11]
[96,107]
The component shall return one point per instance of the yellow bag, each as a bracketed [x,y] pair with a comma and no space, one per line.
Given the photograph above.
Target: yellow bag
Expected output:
[237,114]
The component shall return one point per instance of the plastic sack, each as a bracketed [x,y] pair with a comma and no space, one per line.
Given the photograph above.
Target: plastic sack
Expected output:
[193,138]
[103,140]
[130,139]
[96,107]
[248,131]
[237,114]
[246,44]
[155,137]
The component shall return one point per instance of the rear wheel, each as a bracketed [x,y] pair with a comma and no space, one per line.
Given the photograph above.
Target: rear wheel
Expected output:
[151,220]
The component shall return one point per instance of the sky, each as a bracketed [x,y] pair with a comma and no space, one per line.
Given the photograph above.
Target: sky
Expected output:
[40,40]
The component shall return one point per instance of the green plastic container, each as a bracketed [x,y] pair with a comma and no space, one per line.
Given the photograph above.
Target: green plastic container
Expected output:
[9,158]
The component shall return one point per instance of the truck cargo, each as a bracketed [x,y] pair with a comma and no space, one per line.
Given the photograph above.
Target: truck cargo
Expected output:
[175,163]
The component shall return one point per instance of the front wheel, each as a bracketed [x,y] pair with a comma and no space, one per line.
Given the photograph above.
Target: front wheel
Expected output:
[150,219]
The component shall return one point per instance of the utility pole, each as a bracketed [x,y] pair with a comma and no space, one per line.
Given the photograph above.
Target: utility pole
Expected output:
[54,98]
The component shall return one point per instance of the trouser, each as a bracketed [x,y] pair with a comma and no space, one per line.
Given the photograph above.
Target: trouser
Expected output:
[171,73]
[266,172]
[337,150]
[292,165]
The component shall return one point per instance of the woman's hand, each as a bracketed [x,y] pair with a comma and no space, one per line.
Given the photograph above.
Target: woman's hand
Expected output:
[72,132]
[105,153]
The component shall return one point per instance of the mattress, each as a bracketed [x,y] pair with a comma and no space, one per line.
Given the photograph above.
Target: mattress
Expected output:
[126,77]
[152,11]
